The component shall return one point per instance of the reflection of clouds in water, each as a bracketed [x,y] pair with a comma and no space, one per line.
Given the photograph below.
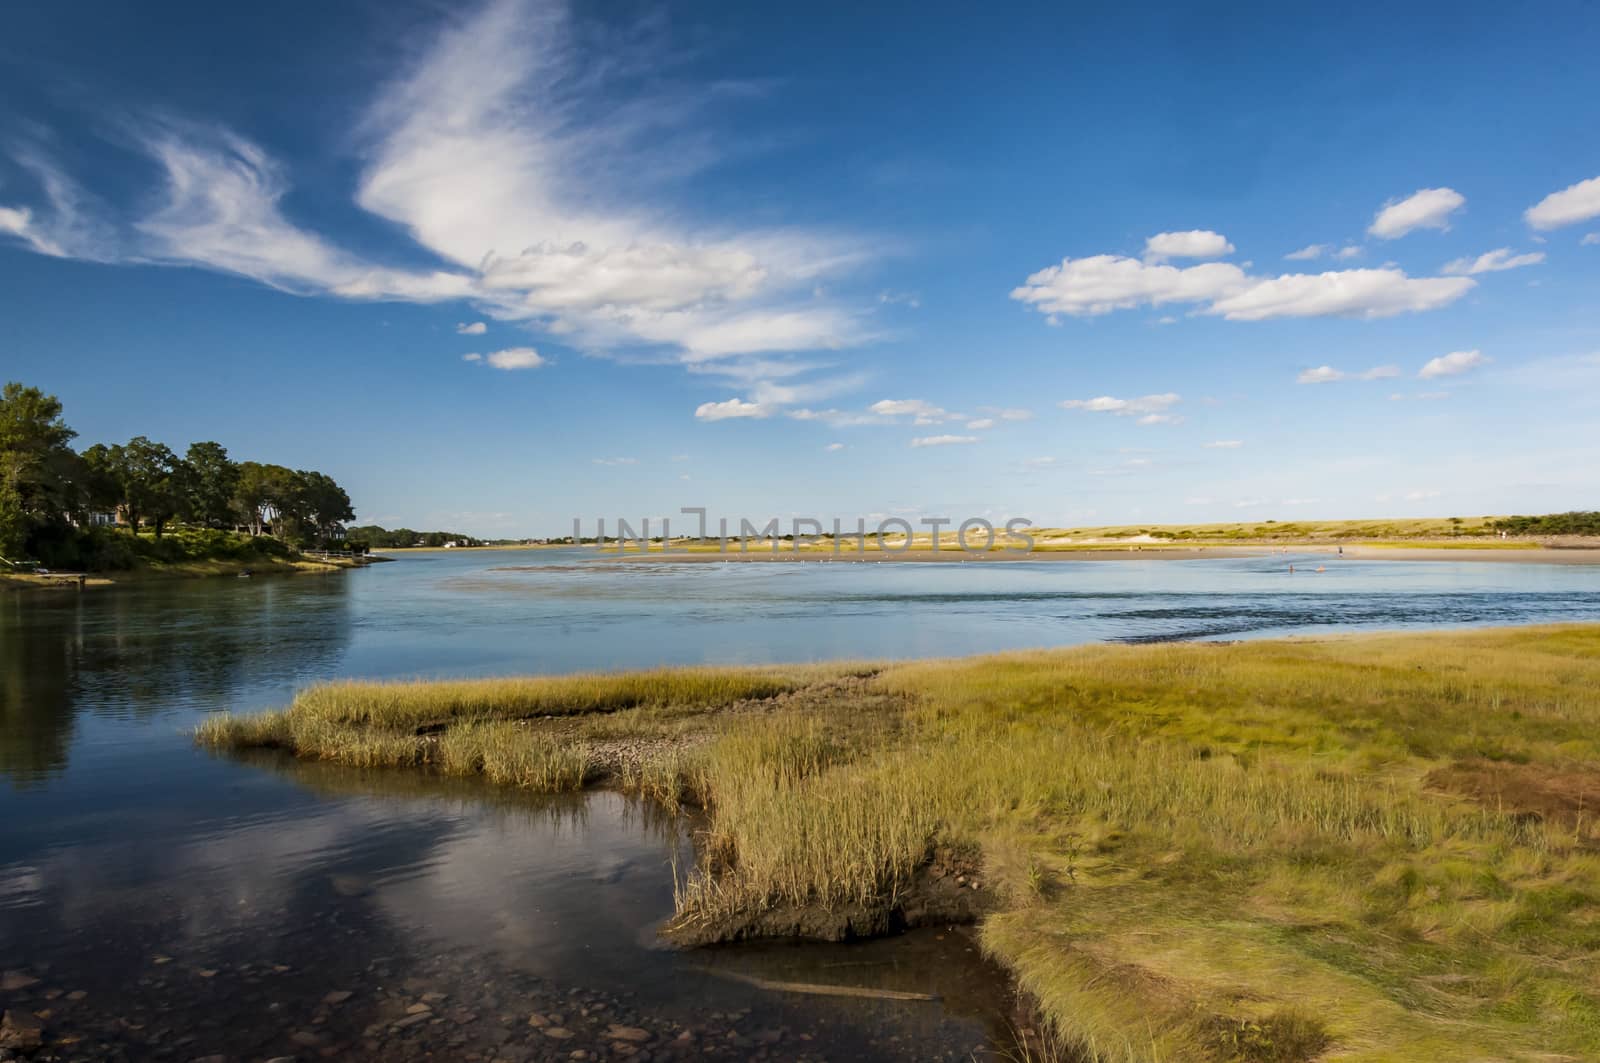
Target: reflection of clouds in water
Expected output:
[541,895]
[539,884]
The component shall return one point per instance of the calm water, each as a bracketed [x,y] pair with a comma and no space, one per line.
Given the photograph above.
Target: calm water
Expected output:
[208,905]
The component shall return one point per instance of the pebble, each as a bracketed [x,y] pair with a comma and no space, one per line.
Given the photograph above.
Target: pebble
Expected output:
[338,996]
[12,981]
[560,1033]
[618,1032]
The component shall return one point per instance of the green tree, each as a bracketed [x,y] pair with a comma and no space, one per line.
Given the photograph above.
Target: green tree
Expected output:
[153,478]
[39,472]
[323,504]
[213,481]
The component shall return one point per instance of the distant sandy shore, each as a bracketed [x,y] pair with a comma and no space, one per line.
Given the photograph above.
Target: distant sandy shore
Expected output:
[1534,555]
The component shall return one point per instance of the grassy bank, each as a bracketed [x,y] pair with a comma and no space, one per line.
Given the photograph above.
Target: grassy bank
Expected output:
[117,556]
[1375,847]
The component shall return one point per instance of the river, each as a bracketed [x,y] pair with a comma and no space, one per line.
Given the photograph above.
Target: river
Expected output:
[159,902]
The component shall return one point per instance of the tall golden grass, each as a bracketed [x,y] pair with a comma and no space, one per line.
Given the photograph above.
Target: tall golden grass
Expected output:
[1204,851]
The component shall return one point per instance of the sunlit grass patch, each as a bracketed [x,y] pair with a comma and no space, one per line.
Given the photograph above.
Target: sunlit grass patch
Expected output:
[1374,847]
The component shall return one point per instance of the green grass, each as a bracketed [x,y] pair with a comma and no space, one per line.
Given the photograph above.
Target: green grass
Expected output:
[1202,851]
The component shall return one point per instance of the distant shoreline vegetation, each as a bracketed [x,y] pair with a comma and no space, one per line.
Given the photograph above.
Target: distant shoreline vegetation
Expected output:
[90,510]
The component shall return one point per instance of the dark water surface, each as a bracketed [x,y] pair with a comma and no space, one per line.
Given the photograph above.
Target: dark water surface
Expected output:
[174,905]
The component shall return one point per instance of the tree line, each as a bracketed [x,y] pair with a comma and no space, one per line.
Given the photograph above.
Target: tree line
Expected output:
[51,494]
[382,538]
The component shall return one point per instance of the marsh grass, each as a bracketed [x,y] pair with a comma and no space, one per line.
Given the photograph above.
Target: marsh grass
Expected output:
[1204,851]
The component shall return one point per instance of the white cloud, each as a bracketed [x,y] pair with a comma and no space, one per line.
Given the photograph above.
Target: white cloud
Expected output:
[1327,374]
[515,358]
[1100,284]
[833,448]
[1452,364]
[942,441]
[1427,208]
[1348,252]
[1224,444]
[1421,494]
[1103,283]
[1194,243]
[981,423]
[1308,253]
[525,156]
[1149,409]
[923,413]
[1039,463]
[1572,204]
[476,328]
[474,357]
[615,461]
[722,411]
[1493,262]
[1008,413]
[1300,501]
[1589,240]
[1358,293]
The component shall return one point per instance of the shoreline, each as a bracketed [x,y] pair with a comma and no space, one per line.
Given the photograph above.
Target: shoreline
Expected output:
[1400,551]
[189,570]
[1172,847]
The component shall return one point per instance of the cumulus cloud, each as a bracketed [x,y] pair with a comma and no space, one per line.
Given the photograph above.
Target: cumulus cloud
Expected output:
[981,423]
[1149,409]
[1100,284]
[476,328]
[1493,262]
[1308,253]
[1572,204]
[722,411]
[942,441]
[515,358]
[1453,364]
[1358,293]
[1194,243]
[1427,208]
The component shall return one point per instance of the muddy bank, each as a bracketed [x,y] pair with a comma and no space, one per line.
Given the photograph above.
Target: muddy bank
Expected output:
[946,891]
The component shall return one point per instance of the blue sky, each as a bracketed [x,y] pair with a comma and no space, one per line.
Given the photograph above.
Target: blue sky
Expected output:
[497,266]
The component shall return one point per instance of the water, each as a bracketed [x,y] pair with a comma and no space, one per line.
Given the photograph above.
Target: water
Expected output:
[209,905]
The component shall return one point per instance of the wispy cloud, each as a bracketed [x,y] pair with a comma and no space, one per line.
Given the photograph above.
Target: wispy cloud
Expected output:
[1149,409]
[1493,262]
[476,328]
[1327,374]
[1224,444]
[942,441]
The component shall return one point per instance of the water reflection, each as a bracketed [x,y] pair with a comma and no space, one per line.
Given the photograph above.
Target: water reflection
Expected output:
[147,652]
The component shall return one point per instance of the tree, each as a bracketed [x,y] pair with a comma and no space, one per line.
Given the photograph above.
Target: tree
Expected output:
[38,470]
[152,479]
[212,483]
[269,495]
[322,503]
